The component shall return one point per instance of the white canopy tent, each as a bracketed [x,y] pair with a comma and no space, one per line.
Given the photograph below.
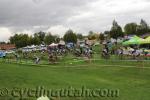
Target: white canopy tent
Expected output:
[53,45]
[62,43]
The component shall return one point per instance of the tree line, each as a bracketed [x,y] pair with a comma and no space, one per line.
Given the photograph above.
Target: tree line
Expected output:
[129,29]
[22,40]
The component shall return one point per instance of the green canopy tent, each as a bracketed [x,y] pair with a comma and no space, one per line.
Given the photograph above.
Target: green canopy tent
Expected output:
[146,41]
[135,40]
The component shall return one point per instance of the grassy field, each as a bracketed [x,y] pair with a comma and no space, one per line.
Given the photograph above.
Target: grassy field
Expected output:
[130,78]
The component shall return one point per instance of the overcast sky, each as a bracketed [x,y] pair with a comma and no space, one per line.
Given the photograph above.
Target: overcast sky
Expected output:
[57,16]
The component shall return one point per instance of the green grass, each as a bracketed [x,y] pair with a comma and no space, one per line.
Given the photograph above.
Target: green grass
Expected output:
[131,80]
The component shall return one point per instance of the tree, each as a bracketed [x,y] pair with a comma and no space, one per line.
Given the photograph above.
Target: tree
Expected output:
[2,42]
[91,32]
[92,35]
[20,40]
[31,40]
[130,28]
[40,35]
[116,30]
[106,32]
[70,37]
[101,37]
[36,40]
[79,36]
[144,24]
[49,38]
[57,39]
[142,28]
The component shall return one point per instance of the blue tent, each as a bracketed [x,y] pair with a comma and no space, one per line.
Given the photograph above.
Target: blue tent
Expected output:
[70,45]
[2,54]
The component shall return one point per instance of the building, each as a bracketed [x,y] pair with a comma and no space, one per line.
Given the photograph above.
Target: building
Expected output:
[7,46]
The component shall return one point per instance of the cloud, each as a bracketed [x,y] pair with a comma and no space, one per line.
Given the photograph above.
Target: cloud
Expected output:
[29,32]
[58,30]
[80,15]
[5,33]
